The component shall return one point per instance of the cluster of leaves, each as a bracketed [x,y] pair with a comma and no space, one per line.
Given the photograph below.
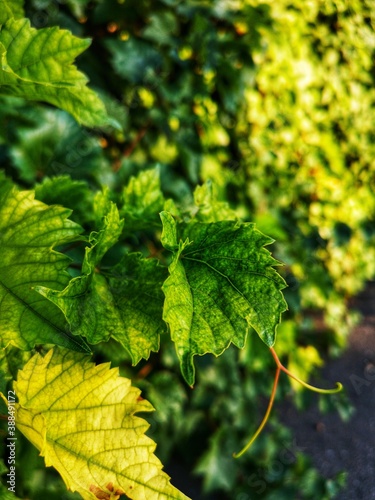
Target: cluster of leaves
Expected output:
[222,91]
[194,91]
[311,113]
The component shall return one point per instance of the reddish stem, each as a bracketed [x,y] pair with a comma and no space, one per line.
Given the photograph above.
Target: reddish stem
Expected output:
[266,416]
[281,367]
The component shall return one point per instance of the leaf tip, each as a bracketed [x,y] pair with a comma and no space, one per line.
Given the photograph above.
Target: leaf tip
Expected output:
[187,368]
[169,233]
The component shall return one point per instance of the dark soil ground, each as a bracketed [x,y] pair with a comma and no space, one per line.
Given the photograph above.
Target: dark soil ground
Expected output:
[336,446]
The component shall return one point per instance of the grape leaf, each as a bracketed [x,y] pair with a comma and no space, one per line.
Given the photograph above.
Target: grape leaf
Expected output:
[63,190]
[136,285]
[221,282]
[102,205]
[218,468]
[49,142]
[29,230]
[81,418]
[209,208]
[86,301]
[134,60]
[11,359]
[143,200]
[37,65]
[127,306]
[10,9]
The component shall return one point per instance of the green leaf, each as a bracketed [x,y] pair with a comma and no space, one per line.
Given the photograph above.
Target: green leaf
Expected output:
[37,65]
[63,190]
[29,230]
[11,360]
[143,200]
[134,60]
[102,206]
[102,241]
[218,468]
[77,7]
[10,9]
[45,141]
[86,301]
[210,209]
[127,306]
[221,282]
[82,419]
[136,285]
[6,494]
[161,28]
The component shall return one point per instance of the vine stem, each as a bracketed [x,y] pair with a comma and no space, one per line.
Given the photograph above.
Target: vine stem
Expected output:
[265,418]
[281,367]
[338,387]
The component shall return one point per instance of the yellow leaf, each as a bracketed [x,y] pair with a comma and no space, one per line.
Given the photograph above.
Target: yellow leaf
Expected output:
[81,418]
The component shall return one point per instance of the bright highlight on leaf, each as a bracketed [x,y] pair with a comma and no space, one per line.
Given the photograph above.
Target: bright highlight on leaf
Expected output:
[82,419]
[221,282]
[29,230]
[38,65]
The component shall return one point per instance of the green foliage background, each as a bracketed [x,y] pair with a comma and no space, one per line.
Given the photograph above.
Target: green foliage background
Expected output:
[272,104]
